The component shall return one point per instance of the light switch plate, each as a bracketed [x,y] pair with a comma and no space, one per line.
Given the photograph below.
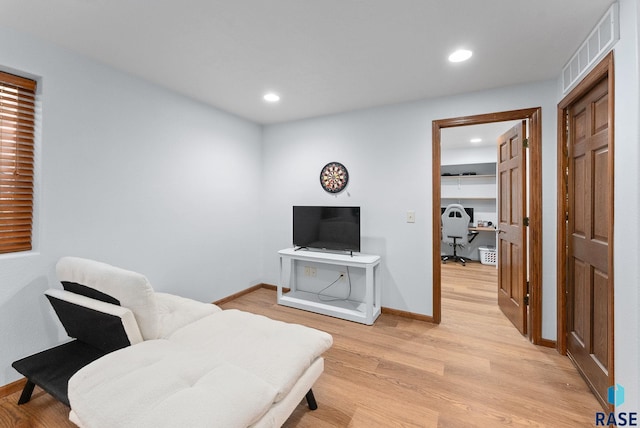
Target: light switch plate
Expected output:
[411,216]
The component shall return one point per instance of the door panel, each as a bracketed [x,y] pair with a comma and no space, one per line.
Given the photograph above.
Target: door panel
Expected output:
[512,234]
[589,289]
[580,318]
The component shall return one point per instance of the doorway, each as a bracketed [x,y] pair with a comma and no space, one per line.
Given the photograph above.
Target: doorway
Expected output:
[469,179]
[533,199]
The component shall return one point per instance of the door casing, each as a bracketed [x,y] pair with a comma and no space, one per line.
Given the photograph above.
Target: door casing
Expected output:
[534,115]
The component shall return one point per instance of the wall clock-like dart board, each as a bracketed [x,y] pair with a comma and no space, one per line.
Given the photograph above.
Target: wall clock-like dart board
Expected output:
[334,177]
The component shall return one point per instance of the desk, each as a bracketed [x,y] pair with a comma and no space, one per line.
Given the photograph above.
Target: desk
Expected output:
[482,229]
[475,231]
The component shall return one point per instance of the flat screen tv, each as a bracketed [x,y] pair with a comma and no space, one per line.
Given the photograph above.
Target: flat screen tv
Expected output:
[327,228]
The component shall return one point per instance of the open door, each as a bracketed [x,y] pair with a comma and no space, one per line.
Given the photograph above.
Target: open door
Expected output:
[512,244]
[589,284]
[585,228]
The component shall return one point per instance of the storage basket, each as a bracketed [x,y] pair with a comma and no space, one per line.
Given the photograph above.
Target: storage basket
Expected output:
[488,255]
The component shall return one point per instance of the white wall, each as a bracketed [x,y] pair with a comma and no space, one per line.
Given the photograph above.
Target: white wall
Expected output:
[467,155]
[132,175]
[387,151]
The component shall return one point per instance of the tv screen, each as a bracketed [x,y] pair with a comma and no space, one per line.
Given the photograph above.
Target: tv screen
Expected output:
[330,228]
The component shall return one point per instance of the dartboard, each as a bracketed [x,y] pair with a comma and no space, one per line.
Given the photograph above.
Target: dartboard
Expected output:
[334,177]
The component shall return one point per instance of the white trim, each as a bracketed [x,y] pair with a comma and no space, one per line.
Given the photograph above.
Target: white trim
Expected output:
[597,44]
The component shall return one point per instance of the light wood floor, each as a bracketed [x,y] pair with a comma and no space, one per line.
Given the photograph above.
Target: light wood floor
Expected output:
[472,370]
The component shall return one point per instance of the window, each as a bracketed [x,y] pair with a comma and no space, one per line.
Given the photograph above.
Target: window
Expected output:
[17,118]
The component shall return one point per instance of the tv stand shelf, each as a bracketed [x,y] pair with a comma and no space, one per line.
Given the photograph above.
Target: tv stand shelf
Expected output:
[364,312]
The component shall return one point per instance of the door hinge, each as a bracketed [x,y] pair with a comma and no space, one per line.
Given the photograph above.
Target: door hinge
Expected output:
[526,297]
[525,143]
[525,221]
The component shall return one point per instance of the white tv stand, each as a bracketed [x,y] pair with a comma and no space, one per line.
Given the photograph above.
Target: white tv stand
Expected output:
[363,312]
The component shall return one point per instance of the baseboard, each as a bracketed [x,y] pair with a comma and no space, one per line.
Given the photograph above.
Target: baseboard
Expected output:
[247,291]
[548,343]
[405,314]
[238,294]
[389,311]
[12,387]
[275,288]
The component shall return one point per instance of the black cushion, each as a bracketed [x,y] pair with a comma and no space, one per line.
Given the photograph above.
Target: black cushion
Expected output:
[83,290]
[98,329]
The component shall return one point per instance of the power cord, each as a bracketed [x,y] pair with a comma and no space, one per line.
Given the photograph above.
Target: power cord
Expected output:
[323,297]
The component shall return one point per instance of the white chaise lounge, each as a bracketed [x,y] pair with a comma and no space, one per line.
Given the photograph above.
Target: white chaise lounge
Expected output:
[189,363]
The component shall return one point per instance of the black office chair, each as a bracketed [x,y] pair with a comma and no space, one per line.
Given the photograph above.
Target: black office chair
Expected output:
[455,231]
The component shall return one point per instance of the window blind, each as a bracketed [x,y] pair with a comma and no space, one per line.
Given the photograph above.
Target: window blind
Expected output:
[17,123]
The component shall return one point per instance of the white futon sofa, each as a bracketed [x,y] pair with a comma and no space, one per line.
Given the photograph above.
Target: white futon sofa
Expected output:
[189,364]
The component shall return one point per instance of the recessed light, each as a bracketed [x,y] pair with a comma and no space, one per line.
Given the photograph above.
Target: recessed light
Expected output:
[476,140]
[271,97]
[460,55]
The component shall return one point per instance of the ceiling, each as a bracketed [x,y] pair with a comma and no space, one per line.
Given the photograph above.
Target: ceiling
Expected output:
[459,137]
[321,56]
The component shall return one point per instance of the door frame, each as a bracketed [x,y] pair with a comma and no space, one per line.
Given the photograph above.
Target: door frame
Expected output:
[602,70]
[534,115]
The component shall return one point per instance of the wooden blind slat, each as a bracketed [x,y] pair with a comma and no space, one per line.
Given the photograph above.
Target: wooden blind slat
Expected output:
[16,153]
[16,100]
[20,180]
[19,222]
[17,91]
[15,247]
[7,118]
[14,170]
[8,229]
[14,106]
[11,136]
[14,237]
[22,139]
[17,124]
[17,207]
[18,81]
[19,152]
[8,235]
[11,108]
[11,121]
[14,177]
[10,149]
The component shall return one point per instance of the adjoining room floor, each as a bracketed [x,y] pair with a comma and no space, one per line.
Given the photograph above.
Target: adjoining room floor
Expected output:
[473,370]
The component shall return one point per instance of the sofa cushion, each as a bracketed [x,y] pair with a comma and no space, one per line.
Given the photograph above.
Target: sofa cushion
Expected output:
[275,351]
[131,289]
[157,383]
[175,312]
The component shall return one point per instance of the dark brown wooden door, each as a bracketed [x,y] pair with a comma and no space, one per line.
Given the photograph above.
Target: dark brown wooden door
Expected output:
[512,243]
[589,289]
